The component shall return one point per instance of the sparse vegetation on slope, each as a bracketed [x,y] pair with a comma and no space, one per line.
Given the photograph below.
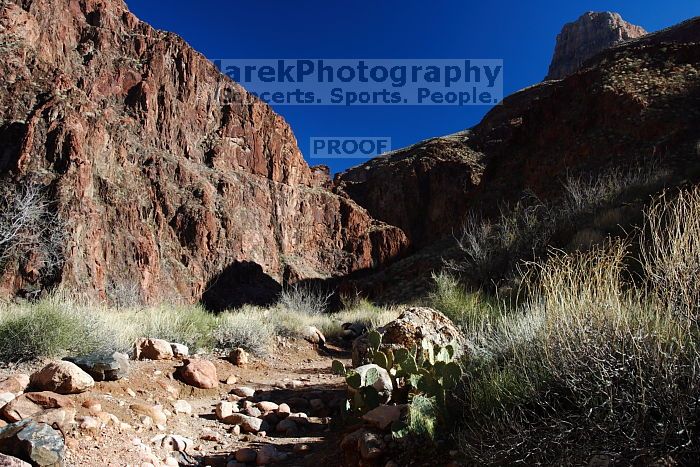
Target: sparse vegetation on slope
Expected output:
[60,325]
[594,362]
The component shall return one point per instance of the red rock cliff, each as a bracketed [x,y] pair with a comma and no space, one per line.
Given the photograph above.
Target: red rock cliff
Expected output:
[161,187]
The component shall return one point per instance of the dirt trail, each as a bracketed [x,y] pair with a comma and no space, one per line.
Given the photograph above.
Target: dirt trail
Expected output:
[295,374]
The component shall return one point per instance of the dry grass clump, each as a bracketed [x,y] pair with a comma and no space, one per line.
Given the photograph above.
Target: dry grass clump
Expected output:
[250,328]
[492,248]
[594,362]
[64,325]
[465,308]
[304,300]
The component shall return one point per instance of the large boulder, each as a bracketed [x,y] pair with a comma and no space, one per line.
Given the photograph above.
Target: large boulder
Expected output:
[33,442]
[103,367]
[199,373]
[152,349]
[408,330]
[63,378]
[32,404]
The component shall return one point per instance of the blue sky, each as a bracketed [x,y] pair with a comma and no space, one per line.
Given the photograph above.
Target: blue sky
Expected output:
[522,33]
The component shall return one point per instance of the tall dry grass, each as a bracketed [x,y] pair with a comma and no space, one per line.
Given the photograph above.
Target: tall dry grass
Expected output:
[595,362]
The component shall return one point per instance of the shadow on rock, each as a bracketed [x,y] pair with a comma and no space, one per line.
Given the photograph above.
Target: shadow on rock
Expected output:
[240,283]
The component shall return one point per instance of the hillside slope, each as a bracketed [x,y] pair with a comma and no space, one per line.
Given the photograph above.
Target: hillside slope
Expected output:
[636,105]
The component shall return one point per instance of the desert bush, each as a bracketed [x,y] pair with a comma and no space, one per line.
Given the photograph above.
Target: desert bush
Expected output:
[123,294]
[304,300]
[28,224]
[249,328]
[50,329]
[671,257]
[592,360]
[191,325]
[493,248]
[466,309]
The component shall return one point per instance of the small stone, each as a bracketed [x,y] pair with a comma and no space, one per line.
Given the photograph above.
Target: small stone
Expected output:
[314,336]
[232,379]
[152,349]
[246,455]
[9,461]
[154,412]
[177,443]
[247,423]
[253,411]
[90,423]
[209,435]
[130,392]
[235,430]
[63,378]
[284,408]
[243,391]
[267,454]
[199,373]
[92,404]
[298,418]
[238,357]
[180,350]
[267,406]
[383,416]
[182,407]
[224,409]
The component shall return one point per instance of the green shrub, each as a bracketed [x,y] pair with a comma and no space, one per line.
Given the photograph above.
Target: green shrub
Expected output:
[47,329]
[249,328]
[423,416]
[191,325]
[466,309]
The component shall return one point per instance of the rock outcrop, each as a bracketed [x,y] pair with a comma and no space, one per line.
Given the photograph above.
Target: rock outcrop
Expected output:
[590,34]
[634,105]
[164,190]
[421,189]
[409,330]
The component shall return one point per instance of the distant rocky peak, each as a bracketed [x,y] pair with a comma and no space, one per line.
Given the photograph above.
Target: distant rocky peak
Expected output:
[590,34]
